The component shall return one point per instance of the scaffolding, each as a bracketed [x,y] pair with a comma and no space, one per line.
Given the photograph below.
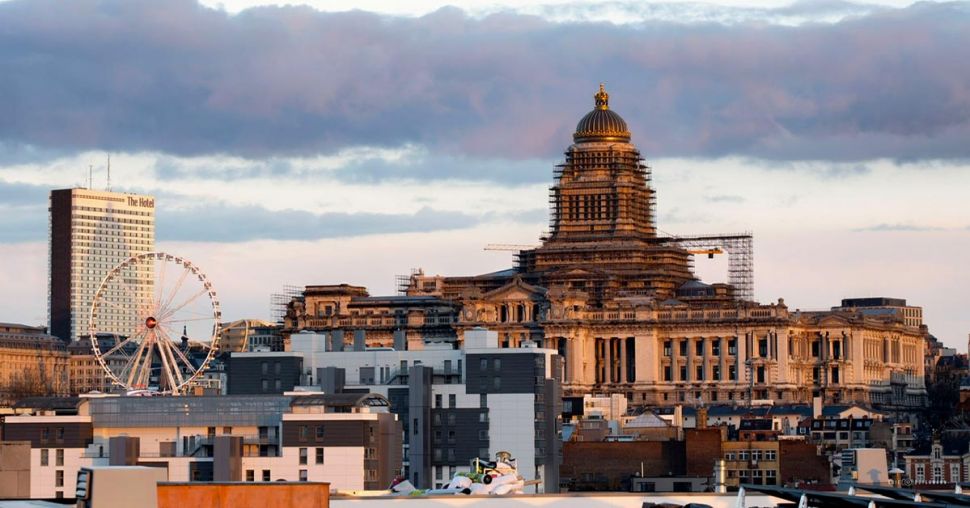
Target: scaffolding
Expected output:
[621,197]
[279,301]
[740,252]
[403,282]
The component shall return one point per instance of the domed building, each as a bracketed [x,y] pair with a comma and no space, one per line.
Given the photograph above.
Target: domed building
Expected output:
[624,310]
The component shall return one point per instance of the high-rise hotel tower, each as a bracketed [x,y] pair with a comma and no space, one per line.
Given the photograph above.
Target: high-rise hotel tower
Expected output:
[91,232]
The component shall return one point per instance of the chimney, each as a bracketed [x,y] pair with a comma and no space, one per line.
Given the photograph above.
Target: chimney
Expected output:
[701,418]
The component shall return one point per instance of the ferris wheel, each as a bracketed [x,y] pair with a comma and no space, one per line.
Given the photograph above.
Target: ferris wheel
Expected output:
[154,323]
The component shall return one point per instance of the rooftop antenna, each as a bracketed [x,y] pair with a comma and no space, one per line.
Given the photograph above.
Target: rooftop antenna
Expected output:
[109,173]
[90,176]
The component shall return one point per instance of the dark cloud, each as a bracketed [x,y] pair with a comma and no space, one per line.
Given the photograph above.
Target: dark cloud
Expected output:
[243,223]
[22,195]
[179,78]
[23,218]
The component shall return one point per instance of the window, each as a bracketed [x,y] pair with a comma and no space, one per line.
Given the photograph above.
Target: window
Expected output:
[733,346]
[319,454]
[60,434]
[250,475]
[264,368]
[59,457]
[227,430]
[45,434]
[483,364]
[683,347]
[276,368]
[667,373]
[451,400]
[755,454]
[763,348]
[59,478]
[732,373]
[683,373]
[699,348]
[278,385]
[303,475]
[265,385]
[451,418]
[716,372]
[44,457]
[483,435]
[937,474]
[439,473]
[955,473]
[770,455]
[761,374]
[497,364]
[437,400]
[729,456]
[497,382]
[304,432]
[716,347]
[319,432]
[451,437]
[666,348]
[266,475]
[699,373]
[482,417]
[303,456]
[920,474]
[483,400]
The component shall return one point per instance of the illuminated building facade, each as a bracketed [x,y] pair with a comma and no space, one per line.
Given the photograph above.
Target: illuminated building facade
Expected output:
[622,306]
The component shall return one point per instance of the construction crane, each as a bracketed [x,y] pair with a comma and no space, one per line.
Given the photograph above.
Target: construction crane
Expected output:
[509,246]
[710,252]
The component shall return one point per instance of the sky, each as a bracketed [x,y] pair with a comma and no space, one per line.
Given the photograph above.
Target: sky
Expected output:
[328,142]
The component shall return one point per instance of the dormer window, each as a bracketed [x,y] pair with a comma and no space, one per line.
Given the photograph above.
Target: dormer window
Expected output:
[937,452]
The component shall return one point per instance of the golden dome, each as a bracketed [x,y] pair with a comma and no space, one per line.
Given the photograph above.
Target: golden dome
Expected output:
[601,124]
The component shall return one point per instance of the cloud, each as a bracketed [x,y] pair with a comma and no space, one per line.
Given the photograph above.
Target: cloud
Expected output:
[179,78]
[724,198]
[23,218]
[896,227]
[240,224]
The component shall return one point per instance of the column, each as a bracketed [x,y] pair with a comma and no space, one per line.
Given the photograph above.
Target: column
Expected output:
[573,364]
[648,361]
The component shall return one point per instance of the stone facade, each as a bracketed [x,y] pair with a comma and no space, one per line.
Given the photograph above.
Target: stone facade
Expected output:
[32,362]
[623,308]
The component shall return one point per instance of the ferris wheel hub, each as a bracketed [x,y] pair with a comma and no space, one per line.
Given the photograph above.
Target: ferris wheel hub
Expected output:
[151,322]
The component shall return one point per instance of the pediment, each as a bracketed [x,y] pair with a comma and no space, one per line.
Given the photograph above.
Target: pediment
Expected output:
[517,289]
